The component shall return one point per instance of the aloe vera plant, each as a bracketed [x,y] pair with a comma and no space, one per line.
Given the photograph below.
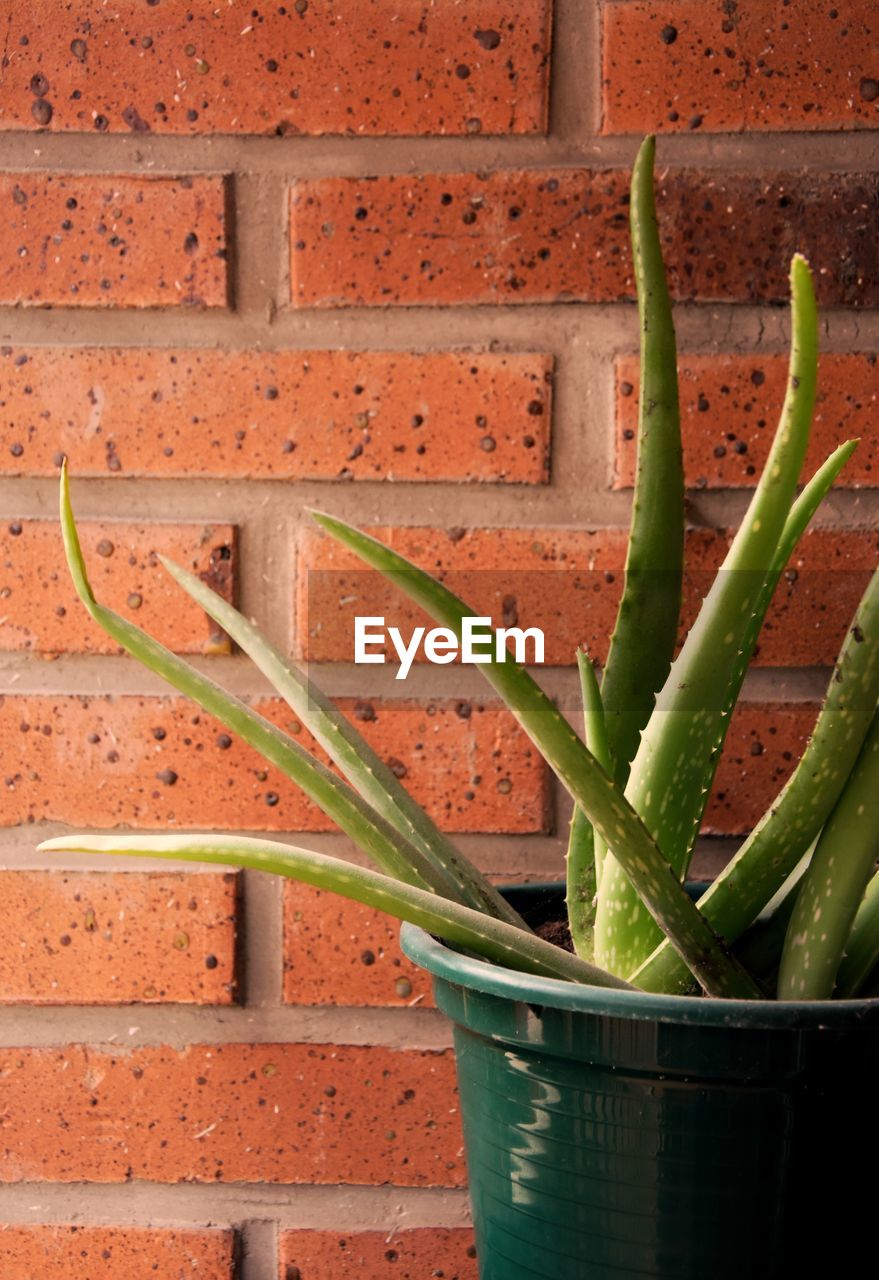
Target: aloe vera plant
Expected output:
[641,770]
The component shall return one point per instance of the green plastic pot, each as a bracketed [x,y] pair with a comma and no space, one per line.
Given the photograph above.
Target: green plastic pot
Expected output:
[615,1135]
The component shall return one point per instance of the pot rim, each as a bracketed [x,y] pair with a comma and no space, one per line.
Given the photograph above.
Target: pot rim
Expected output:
[489,979]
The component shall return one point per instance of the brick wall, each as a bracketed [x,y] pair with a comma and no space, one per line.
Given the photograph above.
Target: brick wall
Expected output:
[374,259]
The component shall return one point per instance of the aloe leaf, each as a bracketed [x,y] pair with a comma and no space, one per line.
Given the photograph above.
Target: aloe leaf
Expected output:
[339,801]
[760,946]
[801,514]
[590,785]
[349,750]
[862,947]
[671,773]
[582,861]
[594,722]
[484,935]
[645,634]
[787,829]
[832,888]
[581,883]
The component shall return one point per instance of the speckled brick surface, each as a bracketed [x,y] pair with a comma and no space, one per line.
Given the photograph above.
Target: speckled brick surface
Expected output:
[306,67]
[730,406]
[115,1253]
[41,610]
[325,415]
[764,744]
[154,762]
[445,1252]
[338,952]
[87,937]
[99,241]
[712,66]
[190,778]
[561,235]
[568,582]
[276,1113]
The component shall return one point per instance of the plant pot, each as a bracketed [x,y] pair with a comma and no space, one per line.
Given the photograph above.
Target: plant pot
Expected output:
[615,1134]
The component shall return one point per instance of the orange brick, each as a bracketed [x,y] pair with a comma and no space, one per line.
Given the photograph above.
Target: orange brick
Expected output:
[303,415]
[376,1255]
[158,762]
[115,1253]
[374,68]
[338,952]
[568,583]
[273,1113]
[763,747]
[96,241]
[40,607]
[560,235]
[225,792]
[730,407]
[77,937]
[816,599]
[716,67]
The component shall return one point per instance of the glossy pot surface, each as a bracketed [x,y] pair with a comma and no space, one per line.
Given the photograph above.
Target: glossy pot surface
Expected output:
[615,1135]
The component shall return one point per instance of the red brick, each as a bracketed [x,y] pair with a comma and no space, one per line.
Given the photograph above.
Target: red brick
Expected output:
[40,607]
[115,1253]
[568,583]
[707,65]
[763,747]
[76,937]
[91,240]
[730,407]
[292,415]
[338,952]
[374,68]
[273,1113]
[227,793]
[376,1255]
[560,235]
[467,762]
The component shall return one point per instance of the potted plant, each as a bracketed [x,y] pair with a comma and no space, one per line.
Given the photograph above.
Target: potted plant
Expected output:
[687,1091]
